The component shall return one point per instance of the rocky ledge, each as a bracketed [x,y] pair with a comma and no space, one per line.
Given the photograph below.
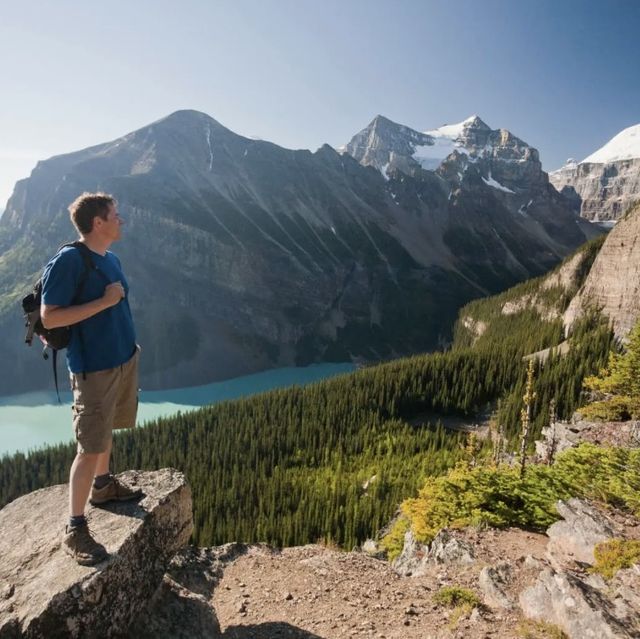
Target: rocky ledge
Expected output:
[44,593]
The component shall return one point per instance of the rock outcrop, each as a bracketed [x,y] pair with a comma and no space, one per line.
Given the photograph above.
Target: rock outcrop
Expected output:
[560,435]
[613,283]
[181,607]
[446,548]
[492,582]
[580,609]
[575,537]
[46,594]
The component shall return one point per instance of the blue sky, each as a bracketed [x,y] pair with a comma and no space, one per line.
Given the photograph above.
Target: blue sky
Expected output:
[562,74]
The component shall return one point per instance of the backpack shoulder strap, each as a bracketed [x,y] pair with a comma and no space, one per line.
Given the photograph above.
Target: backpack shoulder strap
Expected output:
[84,251]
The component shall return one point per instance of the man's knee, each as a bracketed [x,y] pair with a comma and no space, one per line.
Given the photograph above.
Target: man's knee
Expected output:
[84,457]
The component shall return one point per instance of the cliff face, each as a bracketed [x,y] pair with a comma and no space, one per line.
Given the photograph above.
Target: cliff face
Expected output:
[607,183]
[601,192]
[613,283]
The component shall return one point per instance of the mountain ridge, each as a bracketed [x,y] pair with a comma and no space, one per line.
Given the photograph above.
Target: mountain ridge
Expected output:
[277,257]
[606,184]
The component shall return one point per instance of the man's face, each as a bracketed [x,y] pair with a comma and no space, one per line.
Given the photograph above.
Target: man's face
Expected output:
[111,228]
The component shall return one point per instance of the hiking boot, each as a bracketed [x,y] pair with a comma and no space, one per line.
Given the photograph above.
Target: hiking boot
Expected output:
[79,543]
[115,490]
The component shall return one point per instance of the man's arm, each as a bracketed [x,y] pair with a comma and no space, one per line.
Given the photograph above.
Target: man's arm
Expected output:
[56,316]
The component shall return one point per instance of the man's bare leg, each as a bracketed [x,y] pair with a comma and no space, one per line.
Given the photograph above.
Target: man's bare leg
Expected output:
[83,470]
[102,467]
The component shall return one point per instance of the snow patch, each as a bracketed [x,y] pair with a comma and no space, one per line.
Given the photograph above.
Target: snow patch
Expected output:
[446,140]
[333,230]
[210,149]
[624,146]
[496,185]
[451,131]
[383,170]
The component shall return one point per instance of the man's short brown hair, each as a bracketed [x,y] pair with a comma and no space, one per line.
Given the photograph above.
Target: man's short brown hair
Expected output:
[87,206]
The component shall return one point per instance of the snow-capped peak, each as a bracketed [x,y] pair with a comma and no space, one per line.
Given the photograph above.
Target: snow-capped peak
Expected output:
[454,131]
[624,146]
[446,139]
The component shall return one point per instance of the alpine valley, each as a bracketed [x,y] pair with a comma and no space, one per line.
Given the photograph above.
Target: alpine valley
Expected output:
[242,255]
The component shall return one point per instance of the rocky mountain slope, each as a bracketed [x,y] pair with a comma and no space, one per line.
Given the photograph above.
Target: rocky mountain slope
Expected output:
[607,183]
[613,283]
[243,255]
[606,278]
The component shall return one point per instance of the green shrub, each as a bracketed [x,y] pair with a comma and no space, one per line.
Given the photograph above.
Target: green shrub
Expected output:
[618,408]
[496,496]
[530,629]
[453,596]
[615,554]
[617,388]
[393,541]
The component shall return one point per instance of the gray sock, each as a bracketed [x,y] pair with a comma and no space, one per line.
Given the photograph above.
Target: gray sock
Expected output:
[77,520]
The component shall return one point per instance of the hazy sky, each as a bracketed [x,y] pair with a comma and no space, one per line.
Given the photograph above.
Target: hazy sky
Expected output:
[561,74]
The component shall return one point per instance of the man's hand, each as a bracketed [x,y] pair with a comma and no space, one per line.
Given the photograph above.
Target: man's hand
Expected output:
[113,293]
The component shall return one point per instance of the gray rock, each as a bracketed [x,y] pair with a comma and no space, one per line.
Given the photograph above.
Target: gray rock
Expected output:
[582,611]
[444,549]
[52,596]
[575,538]
[176,613]
[493,581]
[560,436]
[624,590]
[370,547]
[448,549]
[413,558]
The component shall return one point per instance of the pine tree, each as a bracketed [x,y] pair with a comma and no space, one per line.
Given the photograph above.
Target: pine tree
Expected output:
[525,416]
[617,388]
[551,448]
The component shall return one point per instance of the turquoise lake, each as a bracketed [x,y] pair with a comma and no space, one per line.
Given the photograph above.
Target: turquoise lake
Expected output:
[36,419]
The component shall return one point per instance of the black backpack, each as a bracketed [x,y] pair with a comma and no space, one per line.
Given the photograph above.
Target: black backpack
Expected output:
[56,339]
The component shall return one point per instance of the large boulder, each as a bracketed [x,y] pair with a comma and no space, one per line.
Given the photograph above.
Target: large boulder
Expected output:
[575,537]
[181,608]
[493,582]
[47,594]
[446,548]
[582,610]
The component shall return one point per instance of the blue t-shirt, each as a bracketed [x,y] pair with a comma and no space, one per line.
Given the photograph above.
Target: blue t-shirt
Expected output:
[105,340]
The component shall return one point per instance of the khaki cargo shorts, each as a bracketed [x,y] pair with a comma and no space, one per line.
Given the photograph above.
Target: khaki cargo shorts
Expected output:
[104,401]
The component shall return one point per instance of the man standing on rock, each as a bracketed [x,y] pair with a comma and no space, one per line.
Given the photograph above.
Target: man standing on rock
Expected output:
[102,357]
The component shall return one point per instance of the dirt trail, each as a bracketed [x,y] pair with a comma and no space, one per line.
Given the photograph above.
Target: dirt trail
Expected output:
[313,591]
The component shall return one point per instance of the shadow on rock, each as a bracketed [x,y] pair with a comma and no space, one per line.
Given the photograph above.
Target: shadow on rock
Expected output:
[270,630]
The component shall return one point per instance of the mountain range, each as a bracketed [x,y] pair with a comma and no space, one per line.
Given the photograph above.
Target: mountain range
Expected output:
[605,184]
[243,255]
